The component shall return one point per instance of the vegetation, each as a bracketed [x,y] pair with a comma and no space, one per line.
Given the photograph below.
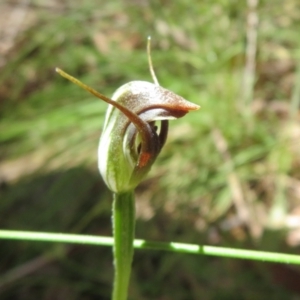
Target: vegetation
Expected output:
[228,175]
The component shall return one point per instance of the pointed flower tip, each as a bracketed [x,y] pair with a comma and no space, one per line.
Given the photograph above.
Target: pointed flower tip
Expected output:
[191,106]
[185,106]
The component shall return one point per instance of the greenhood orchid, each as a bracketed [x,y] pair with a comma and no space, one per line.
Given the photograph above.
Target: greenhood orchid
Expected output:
[131,140]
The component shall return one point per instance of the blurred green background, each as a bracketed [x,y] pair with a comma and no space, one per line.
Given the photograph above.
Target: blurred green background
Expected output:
[228,175]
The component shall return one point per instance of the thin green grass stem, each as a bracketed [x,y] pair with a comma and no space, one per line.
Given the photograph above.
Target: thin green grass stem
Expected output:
[123,230]
[143,244]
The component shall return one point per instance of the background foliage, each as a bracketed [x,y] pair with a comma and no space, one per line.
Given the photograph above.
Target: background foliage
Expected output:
[229,174]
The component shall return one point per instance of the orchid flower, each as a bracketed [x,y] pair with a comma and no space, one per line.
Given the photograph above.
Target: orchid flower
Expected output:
[130,140]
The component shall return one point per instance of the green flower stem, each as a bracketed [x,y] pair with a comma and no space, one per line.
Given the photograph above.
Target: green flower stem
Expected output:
[123,229]
[143,244]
